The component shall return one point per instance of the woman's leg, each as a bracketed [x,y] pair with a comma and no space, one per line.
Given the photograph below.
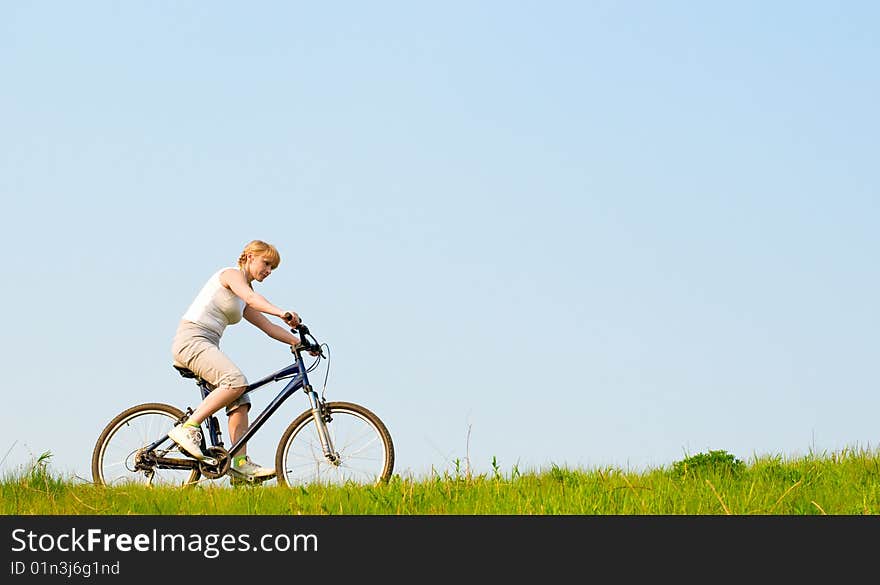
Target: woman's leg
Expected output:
[214,401]
[242,467]
[189,435]
[238,424]
[199,350]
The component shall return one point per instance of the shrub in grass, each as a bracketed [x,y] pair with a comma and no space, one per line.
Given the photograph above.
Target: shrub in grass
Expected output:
[714,463]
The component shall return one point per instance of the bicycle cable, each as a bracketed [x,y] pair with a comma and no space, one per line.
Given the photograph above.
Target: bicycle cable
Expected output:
[310,368]
[313,365]
[327,371]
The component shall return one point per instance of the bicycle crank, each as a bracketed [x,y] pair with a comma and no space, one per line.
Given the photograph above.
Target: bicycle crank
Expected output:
[216,464]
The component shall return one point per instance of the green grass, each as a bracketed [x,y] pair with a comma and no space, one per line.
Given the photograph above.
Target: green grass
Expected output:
[713,483]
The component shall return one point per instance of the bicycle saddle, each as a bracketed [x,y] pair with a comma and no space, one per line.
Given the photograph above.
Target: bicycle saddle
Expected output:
[185,372]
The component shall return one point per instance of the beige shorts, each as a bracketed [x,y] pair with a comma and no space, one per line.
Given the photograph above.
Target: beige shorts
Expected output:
[198,349]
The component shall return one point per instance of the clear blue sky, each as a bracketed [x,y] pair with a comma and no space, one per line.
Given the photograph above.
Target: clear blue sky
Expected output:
[576,233]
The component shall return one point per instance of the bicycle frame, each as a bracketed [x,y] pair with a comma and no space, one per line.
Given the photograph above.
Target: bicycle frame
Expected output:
[299,381]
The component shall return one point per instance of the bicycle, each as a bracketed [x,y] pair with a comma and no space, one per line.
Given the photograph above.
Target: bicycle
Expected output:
[329,443]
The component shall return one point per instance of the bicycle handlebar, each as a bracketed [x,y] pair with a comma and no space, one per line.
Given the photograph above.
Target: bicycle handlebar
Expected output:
[303,331]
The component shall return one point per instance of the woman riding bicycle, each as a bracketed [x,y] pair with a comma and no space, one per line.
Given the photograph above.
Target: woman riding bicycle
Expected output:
[224,300]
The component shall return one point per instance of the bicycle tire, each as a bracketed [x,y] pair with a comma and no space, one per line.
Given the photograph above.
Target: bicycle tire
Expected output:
[107,467]
[359,436]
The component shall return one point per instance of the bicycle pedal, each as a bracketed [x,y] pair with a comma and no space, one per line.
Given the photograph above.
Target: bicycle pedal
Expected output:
[241,482]
[251,481]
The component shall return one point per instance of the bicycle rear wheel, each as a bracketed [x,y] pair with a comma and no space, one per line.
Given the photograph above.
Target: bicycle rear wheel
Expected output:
[118,446]
[366,453]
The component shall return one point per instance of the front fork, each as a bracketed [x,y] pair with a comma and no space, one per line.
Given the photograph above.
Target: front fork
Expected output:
[321,416]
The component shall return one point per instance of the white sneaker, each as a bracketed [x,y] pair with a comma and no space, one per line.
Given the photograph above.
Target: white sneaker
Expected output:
[189,439]
[249,471]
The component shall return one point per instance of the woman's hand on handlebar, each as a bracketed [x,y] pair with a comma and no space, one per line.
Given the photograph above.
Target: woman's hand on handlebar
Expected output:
[292,319]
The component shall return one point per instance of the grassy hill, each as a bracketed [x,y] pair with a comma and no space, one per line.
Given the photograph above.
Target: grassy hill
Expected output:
[711,483]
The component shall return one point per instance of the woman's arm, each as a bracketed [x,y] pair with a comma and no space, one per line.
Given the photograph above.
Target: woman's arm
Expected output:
[274,331]
[234,280]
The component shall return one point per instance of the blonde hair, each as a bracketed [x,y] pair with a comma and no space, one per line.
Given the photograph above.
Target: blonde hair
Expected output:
[260,248]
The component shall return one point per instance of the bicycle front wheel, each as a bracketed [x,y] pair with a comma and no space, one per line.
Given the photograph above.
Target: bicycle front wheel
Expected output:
[115,460]
[361,441]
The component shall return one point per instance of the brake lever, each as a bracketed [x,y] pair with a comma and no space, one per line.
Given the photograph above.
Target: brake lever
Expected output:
[303,331]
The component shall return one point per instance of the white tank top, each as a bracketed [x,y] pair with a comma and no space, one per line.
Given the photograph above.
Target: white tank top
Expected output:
[215,306]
